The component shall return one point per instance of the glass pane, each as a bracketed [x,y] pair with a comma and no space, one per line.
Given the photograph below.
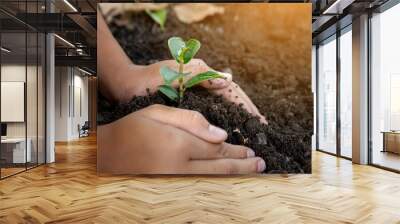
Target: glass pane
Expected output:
[13,86]
[41,98]
[17,7]
[346,93]
[327,96]
[313,86]
[31,98]
[386,89]
[31,88]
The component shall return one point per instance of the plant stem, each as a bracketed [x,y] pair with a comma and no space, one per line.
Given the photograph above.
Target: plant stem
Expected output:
[181,89]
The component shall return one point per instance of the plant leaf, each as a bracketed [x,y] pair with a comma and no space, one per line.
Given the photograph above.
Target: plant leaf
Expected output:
[159,16]
[202,77]
[168,75]
[176,47]
[192,47]
[169,91]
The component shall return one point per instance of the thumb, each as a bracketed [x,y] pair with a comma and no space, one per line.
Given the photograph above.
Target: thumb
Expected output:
[187,120]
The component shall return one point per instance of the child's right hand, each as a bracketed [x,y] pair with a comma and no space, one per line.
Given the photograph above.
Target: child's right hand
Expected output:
[166,140]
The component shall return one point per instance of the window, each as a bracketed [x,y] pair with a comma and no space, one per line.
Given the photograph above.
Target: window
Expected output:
[22,88]
[15,149]
[313,87]
[385,88]
[346,92]
[327,95]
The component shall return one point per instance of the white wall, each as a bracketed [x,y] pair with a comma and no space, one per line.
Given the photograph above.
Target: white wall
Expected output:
[16,73]
[10,73]
[71,94]
[61,103]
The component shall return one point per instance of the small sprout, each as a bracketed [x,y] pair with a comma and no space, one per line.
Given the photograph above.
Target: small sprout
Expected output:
[182,52]
[159,16]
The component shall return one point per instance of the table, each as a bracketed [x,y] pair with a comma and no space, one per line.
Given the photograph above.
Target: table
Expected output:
[15,148]
[391,141]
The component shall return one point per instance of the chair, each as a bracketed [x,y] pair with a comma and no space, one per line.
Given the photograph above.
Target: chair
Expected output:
[84,130]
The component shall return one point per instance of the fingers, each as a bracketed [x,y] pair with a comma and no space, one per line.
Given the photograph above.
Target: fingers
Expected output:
[206,151]
[232,94]
[197,66]
[227,166]
[218,83]
[235,94]
[190,121]
[226,87]
[249,103]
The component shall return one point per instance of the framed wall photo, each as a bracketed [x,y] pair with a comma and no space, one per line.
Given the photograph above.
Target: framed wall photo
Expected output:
[12,101]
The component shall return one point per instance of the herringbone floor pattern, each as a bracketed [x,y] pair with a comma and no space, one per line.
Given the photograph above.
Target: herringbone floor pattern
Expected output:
[70,191]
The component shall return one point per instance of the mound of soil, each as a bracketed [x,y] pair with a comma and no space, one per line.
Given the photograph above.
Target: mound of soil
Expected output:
[282,153]
[274,73]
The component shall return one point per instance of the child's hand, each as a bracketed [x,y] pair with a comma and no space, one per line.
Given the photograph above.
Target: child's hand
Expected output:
[120,79]
[142,77]
[154,140]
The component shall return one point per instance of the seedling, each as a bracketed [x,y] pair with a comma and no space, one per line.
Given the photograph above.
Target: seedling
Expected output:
[182,52]
[159,16]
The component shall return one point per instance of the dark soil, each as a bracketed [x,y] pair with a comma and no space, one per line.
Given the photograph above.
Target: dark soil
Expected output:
[282,153]
[274,73]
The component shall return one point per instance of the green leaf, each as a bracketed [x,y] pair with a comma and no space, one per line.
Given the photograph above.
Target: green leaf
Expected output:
[169,91]
[176,47]
[202,77]
[192,47]
[183,51]
[168,75]
[159,16]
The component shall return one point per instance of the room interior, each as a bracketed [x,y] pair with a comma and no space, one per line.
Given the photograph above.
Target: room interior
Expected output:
[24,89]
[335,71]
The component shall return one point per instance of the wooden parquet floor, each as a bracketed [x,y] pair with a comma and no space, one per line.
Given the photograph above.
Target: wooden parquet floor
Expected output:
[70,191]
